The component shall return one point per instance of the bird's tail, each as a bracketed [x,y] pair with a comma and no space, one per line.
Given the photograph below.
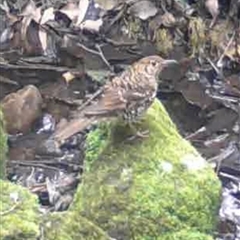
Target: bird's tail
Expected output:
[70,128]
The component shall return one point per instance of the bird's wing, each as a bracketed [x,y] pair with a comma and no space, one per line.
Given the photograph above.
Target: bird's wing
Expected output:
[116,96]
[111,101]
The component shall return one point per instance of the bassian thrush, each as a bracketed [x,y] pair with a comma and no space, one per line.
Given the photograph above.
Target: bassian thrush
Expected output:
[127,96]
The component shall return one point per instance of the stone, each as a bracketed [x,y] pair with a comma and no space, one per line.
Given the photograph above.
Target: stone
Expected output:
[157,188]
[21,109]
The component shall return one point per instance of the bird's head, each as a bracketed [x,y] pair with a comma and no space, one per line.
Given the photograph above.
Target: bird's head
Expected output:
[153,65]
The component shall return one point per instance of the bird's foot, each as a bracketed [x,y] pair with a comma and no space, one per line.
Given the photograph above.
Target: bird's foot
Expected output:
[143,134]
[139,135]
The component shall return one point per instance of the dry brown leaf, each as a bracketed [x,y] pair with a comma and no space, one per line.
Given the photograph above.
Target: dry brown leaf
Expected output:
[213,8]
[71,10]
[68,76]
[168,20]
[11,18]
[108,4]
[32,11]
[43,39]
[143,9]
[233,52]
[92,25]
[48,15]
[82,10]
[25,23]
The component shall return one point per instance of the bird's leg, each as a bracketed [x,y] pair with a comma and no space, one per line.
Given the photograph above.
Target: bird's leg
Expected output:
[137,133]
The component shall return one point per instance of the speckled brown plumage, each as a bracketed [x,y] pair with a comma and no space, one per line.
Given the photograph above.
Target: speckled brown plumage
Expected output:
[127,96]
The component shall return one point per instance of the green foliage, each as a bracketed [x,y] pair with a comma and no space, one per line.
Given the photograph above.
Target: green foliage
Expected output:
[143,189]
[19,213]
[3,147]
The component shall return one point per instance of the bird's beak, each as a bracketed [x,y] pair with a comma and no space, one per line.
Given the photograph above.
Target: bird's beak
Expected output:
[169,62]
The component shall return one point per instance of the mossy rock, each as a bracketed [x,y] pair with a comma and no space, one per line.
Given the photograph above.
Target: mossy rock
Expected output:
[148,188]
[187,234]
[3,146]
[69,226]
[19,213]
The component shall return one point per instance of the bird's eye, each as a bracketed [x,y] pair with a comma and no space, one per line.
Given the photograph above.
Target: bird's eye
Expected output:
[154,63]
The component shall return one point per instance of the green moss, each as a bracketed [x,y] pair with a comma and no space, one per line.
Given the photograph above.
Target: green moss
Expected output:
[164,41]
[147,188]
[197,36]
[19,213]
[134,27]
[3,146]
[69,226]
[96,141]
[186,234]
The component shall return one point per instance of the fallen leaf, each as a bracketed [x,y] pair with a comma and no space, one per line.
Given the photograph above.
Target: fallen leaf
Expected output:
[71,10]
[213,8]
[83,7]
[68,76]
[143,9]
[48,15]
[92,25]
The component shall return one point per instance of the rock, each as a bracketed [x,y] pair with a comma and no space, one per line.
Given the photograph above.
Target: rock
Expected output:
[21,109]
[154,188]
[188,234]
[19,213]
[3,147]
[71,226]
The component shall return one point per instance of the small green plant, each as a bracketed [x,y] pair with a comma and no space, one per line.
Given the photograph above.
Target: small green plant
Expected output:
[197,36]
[164,41]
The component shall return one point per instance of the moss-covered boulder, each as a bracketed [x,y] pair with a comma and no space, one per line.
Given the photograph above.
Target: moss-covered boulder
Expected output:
[70,226]
[187,234]
[19,216]
[153,188]
[3,146]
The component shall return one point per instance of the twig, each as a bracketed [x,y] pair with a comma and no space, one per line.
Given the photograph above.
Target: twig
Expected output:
[33,67]
[215,68]
[115,19]
[103,57]
[219,62]
[229,176]
[8,81]
[238,122]
[97,93]
[119,44]
[223,98]
[87,49]
[99,53]
[35,165]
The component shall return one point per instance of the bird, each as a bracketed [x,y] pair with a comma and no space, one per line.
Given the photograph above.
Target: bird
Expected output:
[127,96]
